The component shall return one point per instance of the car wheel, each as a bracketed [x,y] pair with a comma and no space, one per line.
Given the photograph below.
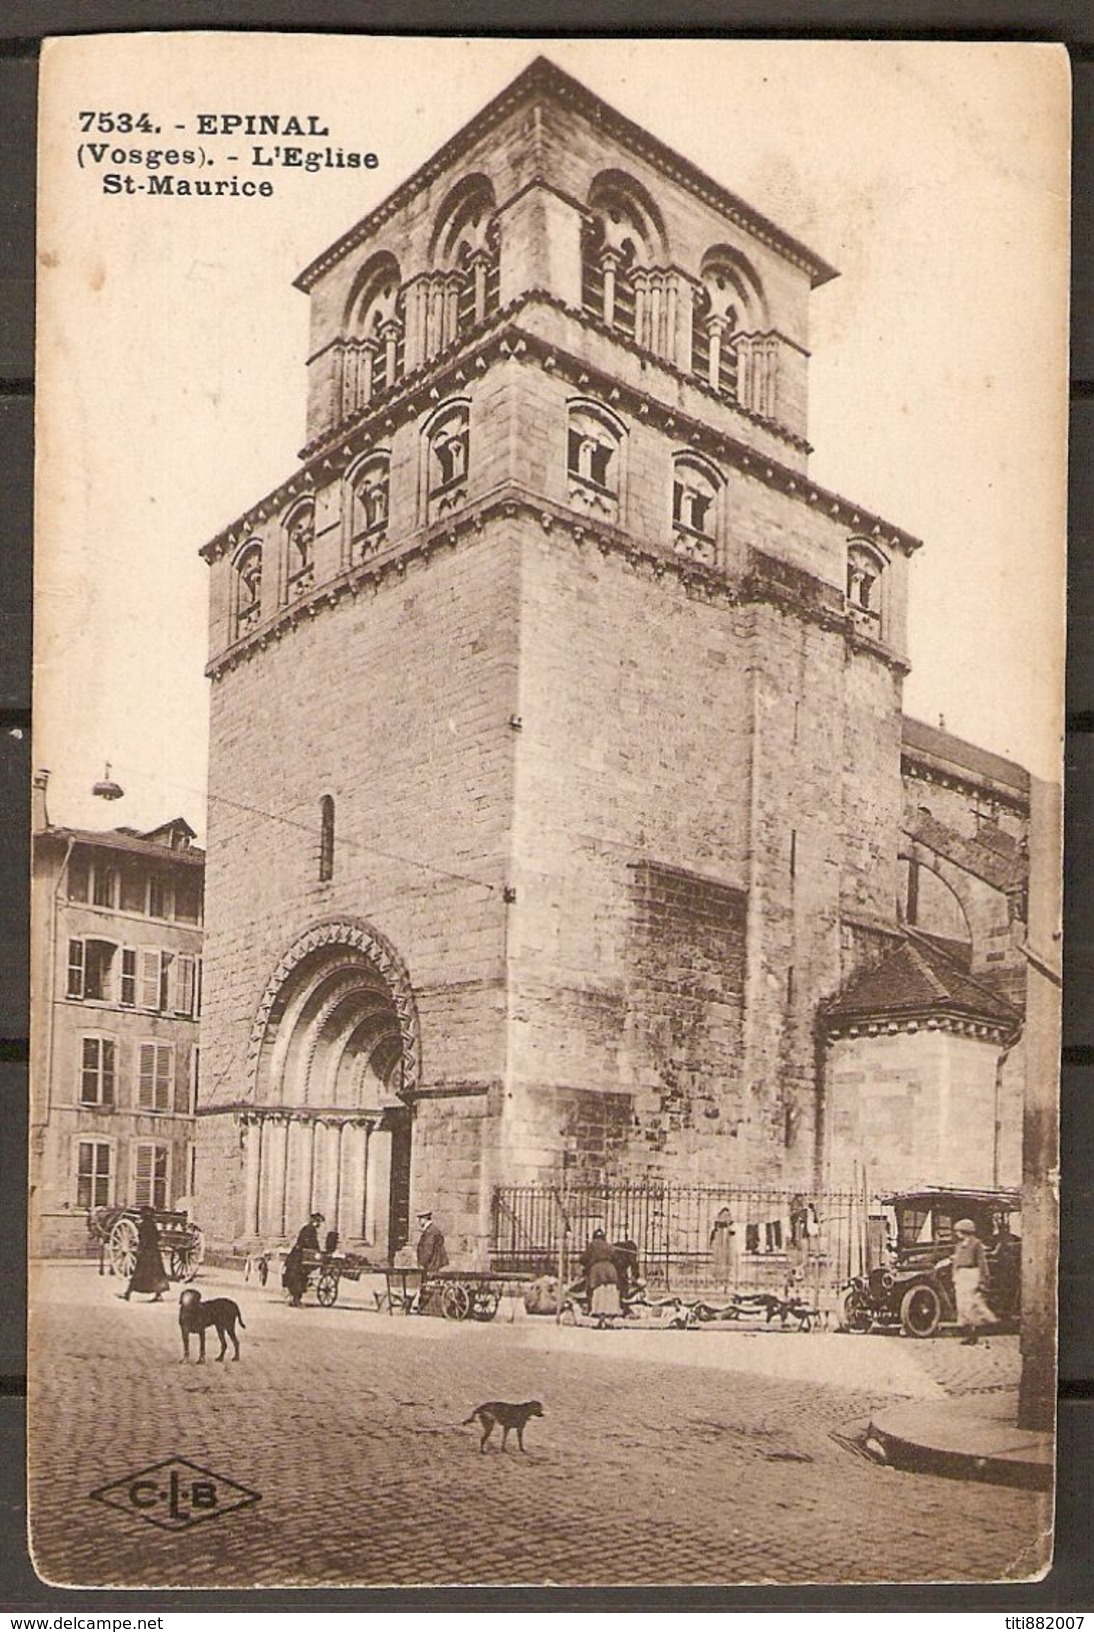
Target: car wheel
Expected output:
[854,1314]
[921,1311]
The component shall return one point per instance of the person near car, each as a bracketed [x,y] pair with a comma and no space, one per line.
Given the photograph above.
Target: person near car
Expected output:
[969,1263]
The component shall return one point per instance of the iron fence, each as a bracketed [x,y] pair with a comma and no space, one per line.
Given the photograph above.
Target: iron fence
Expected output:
[690,1238]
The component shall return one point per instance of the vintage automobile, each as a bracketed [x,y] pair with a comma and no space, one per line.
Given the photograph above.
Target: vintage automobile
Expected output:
[909,1284]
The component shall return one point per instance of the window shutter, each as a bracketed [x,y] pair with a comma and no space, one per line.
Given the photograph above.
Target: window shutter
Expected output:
[163,1076]
[129,978]
[75,969]
[150,980]
[184,986]
[143,1183]
[166,960]
[107,1071]
[146,1085]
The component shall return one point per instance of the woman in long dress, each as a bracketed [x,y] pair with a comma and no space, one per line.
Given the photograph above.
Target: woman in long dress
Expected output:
[148,1274]
[601,1278]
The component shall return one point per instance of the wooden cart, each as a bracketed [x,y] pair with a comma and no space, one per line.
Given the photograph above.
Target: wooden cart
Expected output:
[115,1229]
[325,1270]
[456,1294]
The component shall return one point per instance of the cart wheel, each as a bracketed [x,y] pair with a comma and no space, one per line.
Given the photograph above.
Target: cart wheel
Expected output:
[485,1306]
[122,1248]
[921,1311]
[455,1301]
[327,1290]
[263,1270]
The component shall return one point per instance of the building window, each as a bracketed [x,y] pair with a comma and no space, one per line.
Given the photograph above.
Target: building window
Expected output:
[248,588]
[625,236]
[372,354]
[89,970]
[326,839]
[593,459]
[695,491]
[447,443]
[369,488]
[463,288]
[134,889]
[156,1077]
[128,993]
[167,964]
[730,309]
[195,1081]
[159,897]
[93,1175]
[865,585]
[97,1071]
[150,1177]
[188,892]
[300,548]
[79,878]
[105,888]
[187,984]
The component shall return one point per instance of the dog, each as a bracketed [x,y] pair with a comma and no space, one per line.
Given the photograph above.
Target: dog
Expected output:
[497,1412]
[196,1317]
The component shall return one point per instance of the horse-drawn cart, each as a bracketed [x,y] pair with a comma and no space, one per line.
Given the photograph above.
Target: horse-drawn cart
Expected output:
[115,1229]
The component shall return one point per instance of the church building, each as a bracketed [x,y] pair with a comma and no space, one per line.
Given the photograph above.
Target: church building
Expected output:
[574,816]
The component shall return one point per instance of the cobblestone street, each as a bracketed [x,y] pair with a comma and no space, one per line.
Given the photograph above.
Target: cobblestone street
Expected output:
[656,1460]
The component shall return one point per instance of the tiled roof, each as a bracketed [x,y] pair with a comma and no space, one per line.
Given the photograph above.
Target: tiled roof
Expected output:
[918,979]
[961,756]
[124,839]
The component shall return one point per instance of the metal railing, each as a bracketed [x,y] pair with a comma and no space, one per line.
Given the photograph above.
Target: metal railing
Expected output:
[690,1238]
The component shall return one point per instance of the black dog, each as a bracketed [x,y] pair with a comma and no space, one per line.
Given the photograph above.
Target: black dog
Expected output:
[197,1317]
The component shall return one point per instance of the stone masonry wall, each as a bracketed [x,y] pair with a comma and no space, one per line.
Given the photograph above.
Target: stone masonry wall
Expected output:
[397,704]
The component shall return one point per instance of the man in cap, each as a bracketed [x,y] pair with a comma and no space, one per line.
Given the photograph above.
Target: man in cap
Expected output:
[431,1253]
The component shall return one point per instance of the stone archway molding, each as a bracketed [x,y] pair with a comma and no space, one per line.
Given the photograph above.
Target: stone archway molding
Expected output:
[362,937]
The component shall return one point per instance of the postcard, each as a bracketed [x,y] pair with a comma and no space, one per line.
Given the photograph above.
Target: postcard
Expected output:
[548,717]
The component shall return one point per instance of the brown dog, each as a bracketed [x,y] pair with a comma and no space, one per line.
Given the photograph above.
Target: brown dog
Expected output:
[501,1413]
[196,1317]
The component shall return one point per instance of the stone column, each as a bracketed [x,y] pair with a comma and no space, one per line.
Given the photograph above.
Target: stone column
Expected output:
[252,1176]
[416,311]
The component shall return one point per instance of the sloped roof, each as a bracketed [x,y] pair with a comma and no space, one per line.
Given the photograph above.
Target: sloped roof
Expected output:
[126,840]
[543,78]
[953,753]
[919,980]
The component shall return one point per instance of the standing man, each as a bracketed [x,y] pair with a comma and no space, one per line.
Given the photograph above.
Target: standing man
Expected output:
[294,1276]
[970,1280]
[431,1253]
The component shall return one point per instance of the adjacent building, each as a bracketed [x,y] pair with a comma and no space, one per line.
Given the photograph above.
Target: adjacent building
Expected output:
[575,814]
[117,974]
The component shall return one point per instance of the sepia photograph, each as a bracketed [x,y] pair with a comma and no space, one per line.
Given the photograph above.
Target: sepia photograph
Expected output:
[549,601]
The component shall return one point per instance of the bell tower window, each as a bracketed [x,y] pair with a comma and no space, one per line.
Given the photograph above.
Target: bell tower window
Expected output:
[447,446]
[866,572]
[696,487]
[300,547]
[594,445]
[248,588]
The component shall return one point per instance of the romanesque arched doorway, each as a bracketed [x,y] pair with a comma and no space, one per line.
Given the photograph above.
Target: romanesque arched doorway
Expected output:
[333,1064]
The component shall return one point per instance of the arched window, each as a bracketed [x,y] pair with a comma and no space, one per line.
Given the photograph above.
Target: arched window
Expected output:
[696,486]
[730,306]
[372,353]
[464,252]
[866,586]
[326,839]
[368,502]
[247,588]
[447,445]
[594,444]
[625,233]
[299,530]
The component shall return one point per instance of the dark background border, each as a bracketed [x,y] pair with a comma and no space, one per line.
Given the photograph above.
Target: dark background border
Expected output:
[1070,1584]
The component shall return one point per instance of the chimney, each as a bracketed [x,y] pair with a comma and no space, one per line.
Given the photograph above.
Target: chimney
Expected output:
[39,816]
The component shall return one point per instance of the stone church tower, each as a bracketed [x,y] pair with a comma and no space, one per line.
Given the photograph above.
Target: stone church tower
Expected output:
[560,711]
